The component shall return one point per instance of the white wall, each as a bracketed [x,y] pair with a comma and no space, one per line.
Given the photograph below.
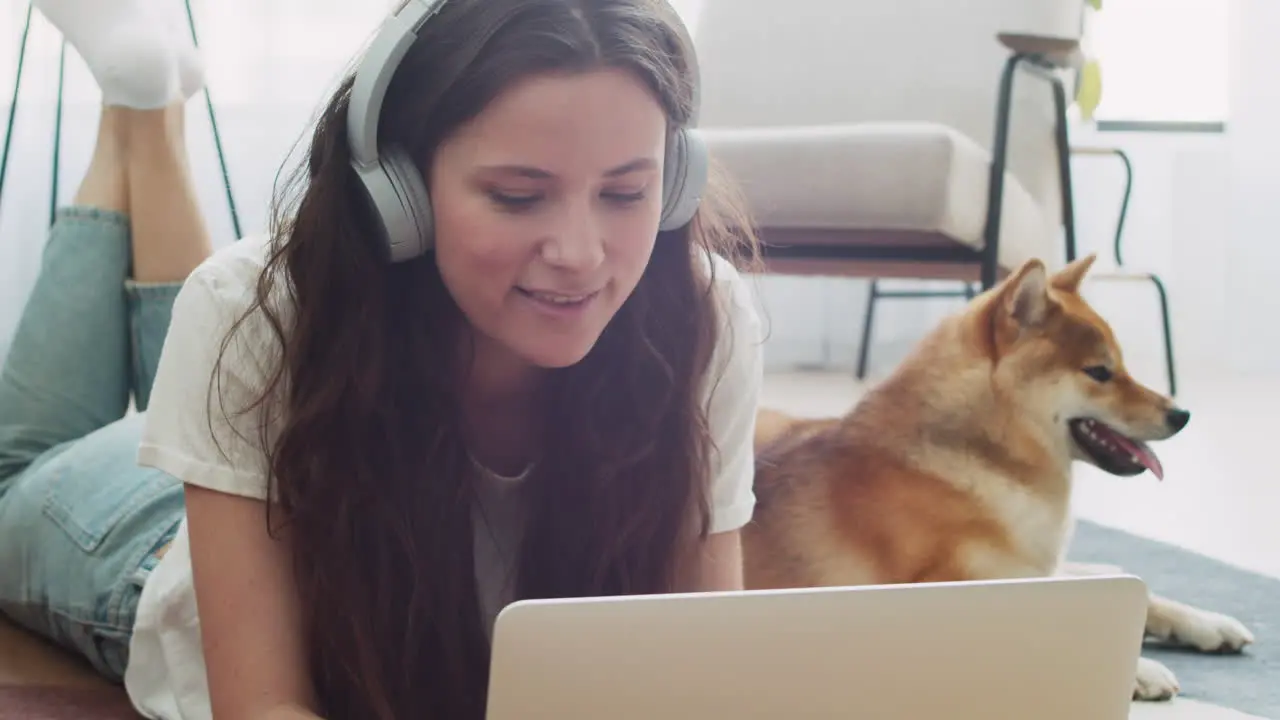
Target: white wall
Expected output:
[1204,212]
[1253,220]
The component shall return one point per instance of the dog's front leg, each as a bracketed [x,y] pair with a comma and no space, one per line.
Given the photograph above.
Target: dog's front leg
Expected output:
[1206,631]
[1175,622]
[1154,681]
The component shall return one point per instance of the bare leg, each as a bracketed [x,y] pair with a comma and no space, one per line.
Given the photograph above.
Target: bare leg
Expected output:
[140,168]
[169,234]
[105,184]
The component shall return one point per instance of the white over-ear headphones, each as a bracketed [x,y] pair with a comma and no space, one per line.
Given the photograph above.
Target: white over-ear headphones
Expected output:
[396,190]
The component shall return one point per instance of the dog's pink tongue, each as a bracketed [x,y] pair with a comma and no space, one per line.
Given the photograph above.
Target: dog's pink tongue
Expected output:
[1143,453]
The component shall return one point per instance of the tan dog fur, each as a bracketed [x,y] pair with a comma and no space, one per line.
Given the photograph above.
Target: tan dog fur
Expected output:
[958,466]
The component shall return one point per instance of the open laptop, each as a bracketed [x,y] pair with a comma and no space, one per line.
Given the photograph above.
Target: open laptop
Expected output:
[1048,649]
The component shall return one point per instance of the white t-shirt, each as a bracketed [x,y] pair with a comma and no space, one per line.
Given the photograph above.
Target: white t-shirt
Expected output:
[166,673]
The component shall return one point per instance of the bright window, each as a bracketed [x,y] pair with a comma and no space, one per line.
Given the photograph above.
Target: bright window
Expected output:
[1163,61]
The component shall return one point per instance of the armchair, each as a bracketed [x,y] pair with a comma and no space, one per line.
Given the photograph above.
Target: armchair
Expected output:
[910,139]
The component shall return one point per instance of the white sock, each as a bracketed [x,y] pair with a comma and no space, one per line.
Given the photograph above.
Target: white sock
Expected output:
[190,66]
[191,75]
[128,50]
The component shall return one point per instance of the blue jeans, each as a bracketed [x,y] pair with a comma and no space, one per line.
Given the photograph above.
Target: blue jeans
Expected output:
[81,523]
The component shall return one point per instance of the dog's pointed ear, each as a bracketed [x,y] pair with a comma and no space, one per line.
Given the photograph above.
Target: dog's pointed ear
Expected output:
[1068,279]
[1025,299]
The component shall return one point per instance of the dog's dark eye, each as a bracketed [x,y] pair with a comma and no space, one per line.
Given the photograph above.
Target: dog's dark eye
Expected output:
[1098,372]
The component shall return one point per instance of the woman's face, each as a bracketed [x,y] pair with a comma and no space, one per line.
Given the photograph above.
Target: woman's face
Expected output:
[546,209]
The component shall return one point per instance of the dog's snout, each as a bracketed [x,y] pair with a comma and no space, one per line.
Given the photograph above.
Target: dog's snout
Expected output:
[1177,418]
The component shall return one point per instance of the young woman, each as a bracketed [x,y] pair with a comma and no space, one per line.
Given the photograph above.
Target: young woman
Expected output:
[353,464]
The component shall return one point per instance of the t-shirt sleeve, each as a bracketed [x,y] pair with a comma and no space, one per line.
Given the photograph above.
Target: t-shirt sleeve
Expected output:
[206,433]
[737,373]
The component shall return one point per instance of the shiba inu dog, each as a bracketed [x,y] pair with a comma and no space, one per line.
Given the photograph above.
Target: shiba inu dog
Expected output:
[958,466]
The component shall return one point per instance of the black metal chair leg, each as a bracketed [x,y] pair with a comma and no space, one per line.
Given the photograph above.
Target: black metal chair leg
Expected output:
[875,295]
[13,105]
[864,350]
[1062,142]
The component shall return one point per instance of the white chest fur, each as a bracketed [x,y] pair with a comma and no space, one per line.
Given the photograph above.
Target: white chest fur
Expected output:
[1035,514]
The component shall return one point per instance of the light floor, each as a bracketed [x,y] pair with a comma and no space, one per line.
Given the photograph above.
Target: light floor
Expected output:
[1220,495]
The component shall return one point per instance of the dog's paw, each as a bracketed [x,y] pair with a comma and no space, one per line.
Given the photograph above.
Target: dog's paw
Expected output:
[1211,632]
[1154,681]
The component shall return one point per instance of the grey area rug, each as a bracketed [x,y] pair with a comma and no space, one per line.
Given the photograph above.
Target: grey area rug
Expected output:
[1249,682]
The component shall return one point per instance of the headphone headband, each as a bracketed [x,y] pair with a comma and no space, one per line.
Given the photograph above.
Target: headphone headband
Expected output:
[396,35]
[392,182]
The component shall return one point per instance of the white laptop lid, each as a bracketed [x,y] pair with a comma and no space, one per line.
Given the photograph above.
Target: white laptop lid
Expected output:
[1049,649]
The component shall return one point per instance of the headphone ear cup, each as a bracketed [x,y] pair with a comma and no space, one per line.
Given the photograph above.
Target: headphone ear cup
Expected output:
[684,179]
[398,197]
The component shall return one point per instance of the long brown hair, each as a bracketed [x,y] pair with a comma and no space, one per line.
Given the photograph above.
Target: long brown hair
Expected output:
[368,464]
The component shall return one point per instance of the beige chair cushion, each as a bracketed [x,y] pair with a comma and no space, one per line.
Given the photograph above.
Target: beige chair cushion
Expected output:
[905,178]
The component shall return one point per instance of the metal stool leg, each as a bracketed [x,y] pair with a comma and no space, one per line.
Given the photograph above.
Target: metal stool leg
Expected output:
[1168,333]
[1118,253]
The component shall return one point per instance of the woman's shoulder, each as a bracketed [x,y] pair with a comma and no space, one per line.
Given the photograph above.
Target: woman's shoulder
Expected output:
[224,287]
[233,270]
[219,360]
[217,310]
